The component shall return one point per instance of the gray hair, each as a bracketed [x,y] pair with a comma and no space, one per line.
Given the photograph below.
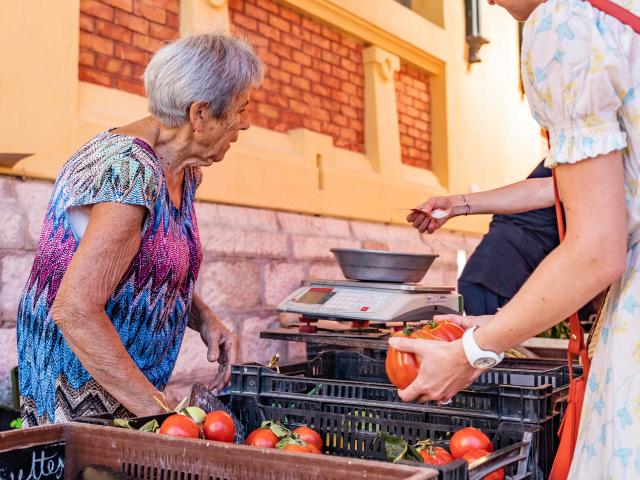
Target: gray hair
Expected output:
[209,67]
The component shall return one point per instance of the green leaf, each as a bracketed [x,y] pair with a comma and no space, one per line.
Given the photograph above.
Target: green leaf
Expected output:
[316,390]
[17,423]
[277,428]
[413,454]
[194,413]
[122,423]
[397,448]
[150,426]
[291,440]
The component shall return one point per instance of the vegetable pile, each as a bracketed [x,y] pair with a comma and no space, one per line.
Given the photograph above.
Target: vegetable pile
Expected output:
[193,422]
[275,435]
[468,444]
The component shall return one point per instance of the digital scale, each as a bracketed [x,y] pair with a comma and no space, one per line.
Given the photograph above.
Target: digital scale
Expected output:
[359,302]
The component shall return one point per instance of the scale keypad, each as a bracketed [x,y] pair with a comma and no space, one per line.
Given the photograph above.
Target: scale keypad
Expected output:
[346,301]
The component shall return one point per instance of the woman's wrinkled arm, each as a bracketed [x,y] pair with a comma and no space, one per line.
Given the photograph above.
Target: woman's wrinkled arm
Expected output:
[108,246]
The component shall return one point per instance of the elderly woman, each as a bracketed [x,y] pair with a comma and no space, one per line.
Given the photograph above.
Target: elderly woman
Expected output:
[111,290]
[580,69]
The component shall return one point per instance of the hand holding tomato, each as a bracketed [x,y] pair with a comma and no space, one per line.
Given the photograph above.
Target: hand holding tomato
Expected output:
[464,321]
[444,369]
[402,367]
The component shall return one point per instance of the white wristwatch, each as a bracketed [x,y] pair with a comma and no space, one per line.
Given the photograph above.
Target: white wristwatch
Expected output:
[477,357]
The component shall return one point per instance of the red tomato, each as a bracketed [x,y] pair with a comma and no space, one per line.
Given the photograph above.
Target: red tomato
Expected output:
[310,436]
[218,426]
[467,440]
[474,455]
[402,367]
[445,330]
[262,437]
[180,426]
[294,447]
[313,449]
[435,455]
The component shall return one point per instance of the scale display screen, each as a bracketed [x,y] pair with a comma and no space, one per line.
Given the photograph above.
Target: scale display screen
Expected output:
[315,296]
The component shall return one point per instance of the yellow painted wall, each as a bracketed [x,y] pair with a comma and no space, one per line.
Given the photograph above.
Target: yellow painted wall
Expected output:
[483,133]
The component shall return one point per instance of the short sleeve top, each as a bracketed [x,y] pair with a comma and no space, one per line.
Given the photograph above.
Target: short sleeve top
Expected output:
[150,306]
[581,72]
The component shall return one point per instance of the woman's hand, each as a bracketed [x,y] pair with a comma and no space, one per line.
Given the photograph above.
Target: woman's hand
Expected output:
[423,218]
[465,321]
[444,369]
[221,343]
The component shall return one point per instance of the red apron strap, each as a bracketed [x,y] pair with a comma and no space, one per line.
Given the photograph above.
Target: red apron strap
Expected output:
[616,11]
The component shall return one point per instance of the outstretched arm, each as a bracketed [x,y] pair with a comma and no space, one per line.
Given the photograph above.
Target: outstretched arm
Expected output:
[529,194]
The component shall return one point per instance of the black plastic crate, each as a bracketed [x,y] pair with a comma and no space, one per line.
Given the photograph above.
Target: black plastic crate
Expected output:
[351,431]
[349,365]
[8,415]
[315,349]
[351,377]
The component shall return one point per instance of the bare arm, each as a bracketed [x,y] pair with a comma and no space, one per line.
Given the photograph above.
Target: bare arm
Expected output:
[109,244]
[529,194]
[592,256]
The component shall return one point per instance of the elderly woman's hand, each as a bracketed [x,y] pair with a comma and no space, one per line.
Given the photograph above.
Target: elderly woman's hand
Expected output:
[221,347]
[221,343]
[444,369]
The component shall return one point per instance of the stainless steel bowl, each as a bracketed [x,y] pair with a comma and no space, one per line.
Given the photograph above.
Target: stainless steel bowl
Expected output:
[382,266]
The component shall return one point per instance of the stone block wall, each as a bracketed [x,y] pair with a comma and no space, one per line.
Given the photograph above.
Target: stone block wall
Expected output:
[252,259]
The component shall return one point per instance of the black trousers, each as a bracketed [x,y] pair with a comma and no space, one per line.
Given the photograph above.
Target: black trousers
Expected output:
[479,300]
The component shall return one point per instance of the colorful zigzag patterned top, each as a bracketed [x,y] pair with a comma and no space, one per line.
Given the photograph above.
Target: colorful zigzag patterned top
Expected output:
[150,306]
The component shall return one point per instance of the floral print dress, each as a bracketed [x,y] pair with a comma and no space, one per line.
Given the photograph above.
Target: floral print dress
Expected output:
[581,70]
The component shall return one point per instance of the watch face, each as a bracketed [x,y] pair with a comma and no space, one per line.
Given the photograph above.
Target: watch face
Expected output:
[484,362]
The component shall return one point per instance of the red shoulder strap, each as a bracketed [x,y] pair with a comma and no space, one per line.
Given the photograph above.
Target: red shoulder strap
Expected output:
[616,11]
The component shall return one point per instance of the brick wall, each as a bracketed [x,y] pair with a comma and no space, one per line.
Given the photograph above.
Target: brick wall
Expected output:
[252,259]
[118,37]
[314,73]
[412,94]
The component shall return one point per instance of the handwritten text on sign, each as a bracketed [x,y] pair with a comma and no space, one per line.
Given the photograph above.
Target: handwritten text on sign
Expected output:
[39,462]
